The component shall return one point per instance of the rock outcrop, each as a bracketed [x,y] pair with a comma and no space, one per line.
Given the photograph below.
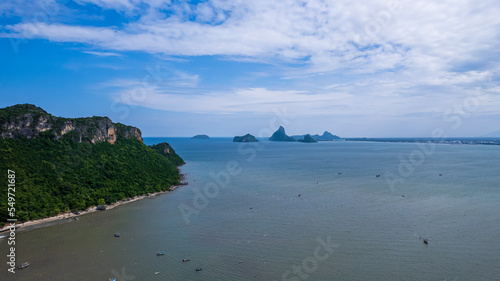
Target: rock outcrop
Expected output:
[29,121]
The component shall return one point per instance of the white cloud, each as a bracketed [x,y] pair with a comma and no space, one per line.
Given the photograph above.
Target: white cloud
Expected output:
[419,35]
[63,33]
[155,77]
[372,100]
[103,54]
[252,100]
[120,5]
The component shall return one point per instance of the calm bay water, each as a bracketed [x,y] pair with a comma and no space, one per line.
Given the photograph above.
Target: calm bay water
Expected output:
[258,227]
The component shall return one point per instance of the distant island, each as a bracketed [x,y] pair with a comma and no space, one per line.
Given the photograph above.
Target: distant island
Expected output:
[280,135]
[70,164]
[308,139]
[245,138]
[201,137]
[448,140]
[327,136]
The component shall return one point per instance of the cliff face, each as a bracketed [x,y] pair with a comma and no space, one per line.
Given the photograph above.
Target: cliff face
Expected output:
[28,121]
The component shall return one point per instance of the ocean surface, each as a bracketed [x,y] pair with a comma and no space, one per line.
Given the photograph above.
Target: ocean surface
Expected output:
[291,211]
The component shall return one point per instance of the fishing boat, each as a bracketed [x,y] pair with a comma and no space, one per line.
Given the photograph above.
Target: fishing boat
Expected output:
[24,265]
[185,260]
[160,253]
[199,269]
[117,234]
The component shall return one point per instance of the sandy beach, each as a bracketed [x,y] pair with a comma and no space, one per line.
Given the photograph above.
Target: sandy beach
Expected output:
[25,226]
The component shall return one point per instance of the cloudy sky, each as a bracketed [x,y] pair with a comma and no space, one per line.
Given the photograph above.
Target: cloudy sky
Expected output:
[230,67]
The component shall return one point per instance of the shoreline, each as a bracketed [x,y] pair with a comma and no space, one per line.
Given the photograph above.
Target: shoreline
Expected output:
[45,222]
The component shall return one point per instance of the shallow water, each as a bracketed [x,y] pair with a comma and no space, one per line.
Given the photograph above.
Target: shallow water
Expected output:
[258,227]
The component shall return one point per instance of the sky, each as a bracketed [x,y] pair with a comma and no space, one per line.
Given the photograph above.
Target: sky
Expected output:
[229,67]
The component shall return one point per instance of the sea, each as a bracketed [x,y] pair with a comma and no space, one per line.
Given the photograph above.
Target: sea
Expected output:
[336,210]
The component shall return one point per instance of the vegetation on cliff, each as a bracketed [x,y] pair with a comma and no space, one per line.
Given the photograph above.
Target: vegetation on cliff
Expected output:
[93,162]
[167,150]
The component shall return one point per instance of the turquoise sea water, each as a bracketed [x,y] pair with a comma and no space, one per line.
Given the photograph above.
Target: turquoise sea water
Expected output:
[249,223]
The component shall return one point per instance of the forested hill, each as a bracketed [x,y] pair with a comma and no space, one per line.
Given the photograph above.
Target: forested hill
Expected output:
[64,164]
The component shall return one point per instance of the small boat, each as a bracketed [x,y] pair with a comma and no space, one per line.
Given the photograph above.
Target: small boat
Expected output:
[160,253]
[112,279]
[185,260]
[156,273]
[117,234]
[24,265]
[378,176]
[199,269]
[426,241]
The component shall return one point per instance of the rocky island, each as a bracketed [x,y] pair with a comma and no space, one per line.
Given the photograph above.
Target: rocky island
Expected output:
[245,138]
[280,135]
[327,136]
[308,139]
[70,164]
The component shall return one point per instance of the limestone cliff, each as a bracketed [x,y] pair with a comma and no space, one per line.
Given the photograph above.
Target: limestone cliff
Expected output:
[29,121]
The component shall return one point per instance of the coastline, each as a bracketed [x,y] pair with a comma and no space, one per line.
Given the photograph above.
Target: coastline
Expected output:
[70,216]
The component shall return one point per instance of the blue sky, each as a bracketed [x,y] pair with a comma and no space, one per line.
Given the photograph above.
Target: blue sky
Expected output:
[225,68]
